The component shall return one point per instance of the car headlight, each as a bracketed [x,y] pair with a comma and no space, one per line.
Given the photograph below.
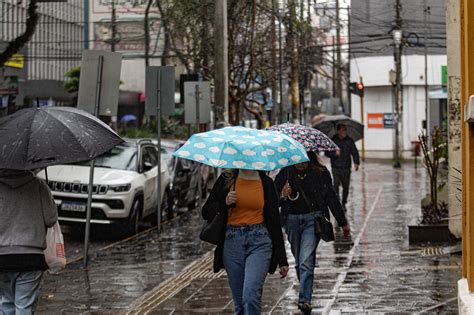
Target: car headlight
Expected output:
[120,188]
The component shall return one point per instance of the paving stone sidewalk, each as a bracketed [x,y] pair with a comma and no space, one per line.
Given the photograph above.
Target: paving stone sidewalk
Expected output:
[375,271]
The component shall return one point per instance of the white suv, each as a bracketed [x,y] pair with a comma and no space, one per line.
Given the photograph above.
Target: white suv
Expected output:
[124,190]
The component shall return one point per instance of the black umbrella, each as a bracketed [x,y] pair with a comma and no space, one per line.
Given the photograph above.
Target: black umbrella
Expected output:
[39,137]
[329,124]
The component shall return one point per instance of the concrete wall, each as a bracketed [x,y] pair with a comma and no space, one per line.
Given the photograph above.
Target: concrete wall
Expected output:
[454,117]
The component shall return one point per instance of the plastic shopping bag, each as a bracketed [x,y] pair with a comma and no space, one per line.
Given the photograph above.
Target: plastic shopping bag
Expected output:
[54,253]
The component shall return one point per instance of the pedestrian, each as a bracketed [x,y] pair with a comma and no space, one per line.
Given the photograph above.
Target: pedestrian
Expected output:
[252,242]
[341,162]
[306,195]
[27,209]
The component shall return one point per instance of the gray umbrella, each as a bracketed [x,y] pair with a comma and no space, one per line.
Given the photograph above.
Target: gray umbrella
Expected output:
[39,137]
[328,125]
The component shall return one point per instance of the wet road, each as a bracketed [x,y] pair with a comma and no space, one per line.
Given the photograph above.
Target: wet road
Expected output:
[375,271]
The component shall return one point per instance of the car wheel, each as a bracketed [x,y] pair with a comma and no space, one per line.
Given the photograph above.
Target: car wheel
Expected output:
[134,219]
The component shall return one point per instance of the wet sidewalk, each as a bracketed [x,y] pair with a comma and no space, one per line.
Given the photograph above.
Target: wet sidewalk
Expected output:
[376,271]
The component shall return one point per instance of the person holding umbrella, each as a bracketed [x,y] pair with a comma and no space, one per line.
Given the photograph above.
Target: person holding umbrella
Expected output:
[33,139]
[242,211]
[341,162]
[307,195]
[27,209]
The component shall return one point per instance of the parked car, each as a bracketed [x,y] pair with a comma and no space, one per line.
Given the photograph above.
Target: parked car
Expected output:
[124,191]
[185,175]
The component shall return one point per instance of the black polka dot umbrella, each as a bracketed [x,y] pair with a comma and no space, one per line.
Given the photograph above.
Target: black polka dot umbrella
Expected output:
[310,138]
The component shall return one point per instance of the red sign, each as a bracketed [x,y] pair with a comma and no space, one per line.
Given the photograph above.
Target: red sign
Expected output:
[375,120]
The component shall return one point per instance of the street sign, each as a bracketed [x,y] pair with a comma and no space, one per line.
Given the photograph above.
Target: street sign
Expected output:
[381,120]
[159,86]
[193,100]
[389,121]
[100,81]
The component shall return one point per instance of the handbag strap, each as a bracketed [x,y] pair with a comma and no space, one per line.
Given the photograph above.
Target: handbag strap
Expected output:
[306,200]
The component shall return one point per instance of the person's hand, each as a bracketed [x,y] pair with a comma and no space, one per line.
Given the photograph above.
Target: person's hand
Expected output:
[347,230]
[286,190]
[231,198]
[356,167]
[338,152]
[284,271]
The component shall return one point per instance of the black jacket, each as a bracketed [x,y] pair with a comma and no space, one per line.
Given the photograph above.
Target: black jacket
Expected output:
[348,150]
[216,203]
[318,188]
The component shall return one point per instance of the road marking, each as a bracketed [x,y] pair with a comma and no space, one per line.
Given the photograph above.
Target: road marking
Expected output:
[199,269]
[342,276]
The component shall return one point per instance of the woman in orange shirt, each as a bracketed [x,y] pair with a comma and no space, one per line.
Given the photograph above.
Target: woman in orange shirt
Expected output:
[252,243]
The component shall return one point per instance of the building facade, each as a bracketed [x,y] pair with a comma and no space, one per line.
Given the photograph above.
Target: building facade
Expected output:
[372,59]
[54,49]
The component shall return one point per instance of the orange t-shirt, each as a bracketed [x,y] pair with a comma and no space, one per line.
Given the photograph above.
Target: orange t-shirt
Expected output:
[249,205]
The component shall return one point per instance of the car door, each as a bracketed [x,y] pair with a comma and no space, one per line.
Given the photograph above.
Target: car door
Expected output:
[150,171]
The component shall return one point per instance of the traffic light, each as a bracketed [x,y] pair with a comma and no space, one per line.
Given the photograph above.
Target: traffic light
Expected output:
[357,88]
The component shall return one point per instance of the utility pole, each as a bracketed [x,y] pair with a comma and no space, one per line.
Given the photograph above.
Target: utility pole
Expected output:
[280,64]
[221,81]
[274,84]
[426,12]
[398,39]
[113,27]
[362,115]
[338,55]
[349,97]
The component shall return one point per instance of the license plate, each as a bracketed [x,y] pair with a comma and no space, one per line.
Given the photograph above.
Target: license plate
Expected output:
[73,206]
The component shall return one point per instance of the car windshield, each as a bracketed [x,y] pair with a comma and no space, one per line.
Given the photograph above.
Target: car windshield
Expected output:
[120,157]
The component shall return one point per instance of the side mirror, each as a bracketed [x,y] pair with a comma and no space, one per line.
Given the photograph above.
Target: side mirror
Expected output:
[147,166]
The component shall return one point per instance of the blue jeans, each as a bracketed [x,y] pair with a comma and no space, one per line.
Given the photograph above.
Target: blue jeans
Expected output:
[247,256]
[303,241]
[19,291]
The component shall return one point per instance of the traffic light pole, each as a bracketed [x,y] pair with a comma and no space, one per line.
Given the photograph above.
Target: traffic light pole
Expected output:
[362,114]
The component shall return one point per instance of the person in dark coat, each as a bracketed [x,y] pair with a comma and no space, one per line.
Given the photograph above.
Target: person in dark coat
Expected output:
[307,193]
[341,162]
[252,243]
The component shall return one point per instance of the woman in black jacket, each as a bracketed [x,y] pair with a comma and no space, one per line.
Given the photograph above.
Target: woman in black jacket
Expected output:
[307,193]
[251,245]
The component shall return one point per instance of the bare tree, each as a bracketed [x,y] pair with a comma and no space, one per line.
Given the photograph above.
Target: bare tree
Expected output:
[15,45]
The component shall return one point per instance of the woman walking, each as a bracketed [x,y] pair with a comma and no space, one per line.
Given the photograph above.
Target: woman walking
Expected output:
[252,243]
[306,194]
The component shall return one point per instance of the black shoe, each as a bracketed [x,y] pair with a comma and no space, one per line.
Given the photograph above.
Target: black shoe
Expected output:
[305,308]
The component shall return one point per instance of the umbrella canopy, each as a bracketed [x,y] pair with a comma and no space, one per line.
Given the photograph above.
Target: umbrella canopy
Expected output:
[243,148]
[310,138]
[39,137]
[328,125]
[128,118]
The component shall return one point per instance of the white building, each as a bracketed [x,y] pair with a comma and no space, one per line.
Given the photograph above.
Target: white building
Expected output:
[372,58]
[379,100]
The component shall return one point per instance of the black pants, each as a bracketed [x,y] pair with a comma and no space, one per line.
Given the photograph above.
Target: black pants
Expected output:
[342,176]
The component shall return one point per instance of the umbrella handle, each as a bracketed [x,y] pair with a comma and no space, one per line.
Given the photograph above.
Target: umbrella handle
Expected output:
[46,175]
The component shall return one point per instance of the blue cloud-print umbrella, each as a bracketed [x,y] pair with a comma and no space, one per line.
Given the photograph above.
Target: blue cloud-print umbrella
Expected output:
[243,148]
